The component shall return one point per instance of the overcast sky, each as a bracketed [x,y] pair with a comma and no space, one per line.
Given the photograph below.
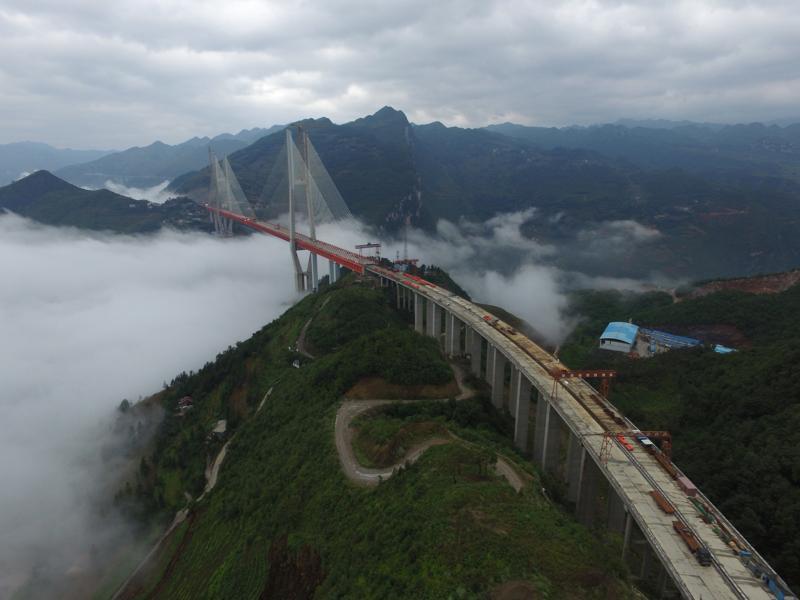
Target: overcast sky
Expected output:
[87,73]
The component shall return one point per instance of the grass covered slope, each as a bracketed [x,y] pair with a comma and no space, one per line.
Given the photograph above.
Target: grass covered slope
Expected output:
[735,419]
[284,522]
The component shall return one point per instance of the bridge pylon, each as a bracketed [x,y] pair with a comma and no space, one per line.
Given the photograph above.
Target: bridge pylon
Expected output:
[223,227]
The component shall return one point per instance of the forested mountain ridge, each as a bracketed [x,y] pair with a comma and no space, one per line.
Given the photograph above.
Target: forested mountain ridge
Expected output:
[20,158]
[45,198]
[739,151]
[158,162]
[605,216]
[283,521]
[735,419]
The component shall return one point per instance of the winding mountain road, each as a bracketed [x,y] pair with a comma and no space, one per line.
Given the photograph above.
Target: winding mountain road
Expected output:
[355,472]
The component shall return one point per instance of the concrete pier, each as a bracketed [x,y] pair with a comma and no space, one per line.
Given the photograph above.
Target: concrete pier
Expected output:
[551,445]
[587,496]
[418,321]
[476,341]
[523,408]
[498,377]
[575,457]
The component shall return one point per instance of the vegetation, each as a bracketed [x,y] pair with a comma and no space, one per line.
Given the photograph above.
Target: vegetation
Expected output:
[735,419]
[45,198]
[283,518]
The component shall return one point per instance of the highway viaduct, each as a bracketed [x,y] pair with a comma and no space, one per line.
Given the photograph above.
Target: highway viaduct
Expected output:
[565,440]
[567,436]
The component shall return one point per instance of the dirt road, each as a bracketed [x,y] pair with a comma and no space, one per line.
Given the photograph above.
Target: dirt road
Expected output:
[354,471]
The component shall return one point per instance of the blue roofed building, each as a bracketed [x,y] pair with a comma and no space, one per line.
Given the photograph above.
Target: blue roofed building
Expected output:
[619,337]
[669,341]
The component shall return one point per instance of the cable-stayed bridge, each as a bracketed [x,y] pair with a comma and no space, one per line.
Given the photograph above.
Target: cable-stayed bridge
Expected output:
[674,540]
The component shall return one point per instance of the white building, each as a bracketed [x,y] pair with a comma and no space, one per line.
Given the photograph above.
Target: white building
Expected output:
[619,337]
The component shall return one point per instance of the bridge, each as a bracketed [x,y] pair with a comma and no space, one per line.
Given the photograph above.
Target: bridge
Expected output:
[672,536]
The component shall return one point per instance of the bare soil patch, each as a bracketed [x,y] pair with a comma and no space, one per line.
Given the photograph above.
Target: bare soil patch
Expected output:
[515,590]
[764,284]
[377,387]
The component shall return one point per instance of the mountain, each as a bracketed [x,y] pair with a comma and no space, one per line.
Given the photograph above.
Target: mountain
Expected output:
[603,214]
[665,124]
[734,418]
[158,162]
[21,158]
[45,198]
[752,150]
[369,159]
[284,521]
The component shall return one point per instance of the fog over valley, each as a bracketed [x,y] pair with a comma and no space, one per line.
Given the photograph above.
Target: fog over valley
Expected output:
[86,321]
[89,319]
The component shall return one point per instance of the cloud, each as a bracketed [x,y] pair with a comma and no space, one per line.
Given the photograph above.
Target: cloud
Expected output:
[157,193]
[609,238]
[493,261]
[87,320]
[129,72]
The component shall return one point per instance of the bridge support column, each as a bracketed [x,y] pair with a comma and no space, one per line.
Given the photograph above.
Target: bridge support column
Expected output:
[498,376]
[513,390]
[523,407]
[587,496]
[540,429]
[430,310]
[617,513]
[451,334]
[313,271]
[626,536]
[418,324]
[575,457]
[438,316]
[551,446]
[399,292]
[475,352]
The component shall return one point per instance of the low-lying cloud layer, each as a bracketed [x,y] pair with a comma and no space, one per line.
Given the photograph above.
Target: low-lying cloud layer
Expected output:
[157,193]
[106,74]
[87,321]
[90,319]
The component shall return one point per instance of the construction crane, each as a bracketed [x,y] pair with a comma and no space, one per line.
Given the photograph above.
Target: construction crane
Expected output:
[643,437]
[367,246]
[604,375]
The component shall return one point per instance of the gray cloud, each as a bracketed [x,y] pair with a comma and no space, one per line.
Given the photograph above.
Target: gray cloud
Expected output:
[157,193]
[127,72]
[87,321]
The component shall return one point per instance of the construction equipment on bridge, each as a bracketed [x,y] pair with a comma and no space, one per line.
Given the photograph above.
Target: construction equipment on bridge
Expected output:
[701,553]
[662,502]
[604,375]
[369,246]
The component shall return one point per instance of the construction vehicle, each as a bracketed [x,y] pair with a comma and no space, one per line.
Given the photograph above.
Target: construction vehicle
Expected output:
[701,553]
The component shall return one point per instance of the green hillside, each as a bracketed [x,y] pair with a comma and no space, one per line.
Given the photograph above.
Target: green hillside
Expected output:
[284,521]
[45,198]
[735,419]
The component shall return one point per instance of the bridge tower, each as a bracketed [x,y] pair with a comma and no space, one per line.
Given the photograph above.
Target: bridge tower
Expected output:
[223,227]
[311,190]
[299,274]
